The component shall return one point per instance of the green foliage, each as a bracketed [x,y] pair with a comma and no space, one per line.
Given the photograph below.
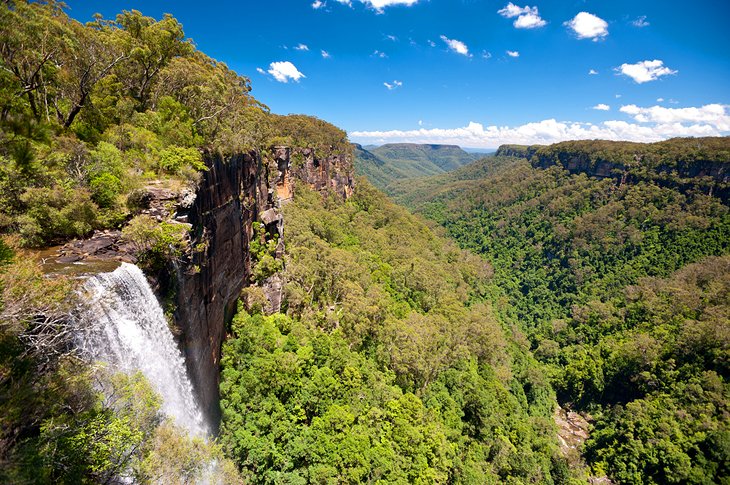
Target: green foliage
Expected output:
[621,285]
[309,132]
[263,254]
[55,213]
[156,243]
[105,440]
[300,406]
[106,159]
[26,296]
[6,253]
[664,388]
[176,458]
[365,377]
[176,159]
[105,189]
[94,109]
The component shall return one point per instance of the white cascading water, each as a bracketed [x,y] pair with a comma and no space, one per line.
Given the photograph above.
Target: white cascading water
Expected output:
[126,328]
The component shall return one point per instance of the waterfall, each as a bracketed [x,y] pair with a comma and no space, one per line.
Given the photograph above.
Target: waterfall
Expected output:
[125,327]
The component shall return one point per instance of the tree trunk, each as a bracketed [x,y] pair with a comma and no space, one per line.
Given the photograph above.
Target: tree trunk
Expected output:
[75,110]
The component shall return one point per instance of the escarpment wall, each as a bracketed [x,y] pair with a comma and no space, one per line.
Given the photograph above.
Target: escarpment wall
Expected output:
[235,192]
[209,282]
[685,174]
[709,176]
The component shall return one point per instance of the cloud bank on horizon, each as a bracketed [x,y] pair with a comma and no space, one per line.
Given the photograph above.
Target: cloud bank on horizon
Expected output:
[480,73]
[649,125]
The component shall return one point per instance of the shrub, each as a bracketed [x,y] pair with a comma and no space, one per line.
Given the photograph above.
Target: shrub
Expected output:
[105,188]
[156,243]
[54,214]
[106,158]
[138,200]
[173,160]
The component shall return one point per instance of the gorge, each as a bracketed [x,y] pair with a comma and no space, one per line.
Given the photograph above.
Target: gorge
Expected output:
[194,289]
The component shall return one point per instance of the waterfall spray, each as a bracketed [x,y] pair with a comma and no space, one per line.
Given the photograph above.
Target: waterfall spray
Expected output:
[126,328]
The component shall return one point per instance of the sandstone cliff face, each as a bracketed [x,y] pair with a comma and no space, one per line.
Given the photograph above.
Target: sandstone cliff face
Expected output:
[517,151]
[709,176]
[236,192]
[209,283]
[333,173]
[696,173]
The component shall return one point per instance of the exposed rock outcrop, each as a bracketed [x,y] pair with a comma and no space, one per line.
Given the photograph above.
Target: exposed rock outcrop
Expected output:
[236,192]
[699,164]
[218,268]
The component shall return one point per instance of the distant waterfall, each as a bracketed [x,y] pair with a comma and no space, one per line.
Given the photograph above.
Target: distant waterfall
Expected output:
[126,328]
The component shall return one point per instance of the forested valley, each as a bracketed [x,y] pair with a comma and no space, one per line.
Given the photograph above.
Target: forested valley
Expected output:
[427,342]
[620,283]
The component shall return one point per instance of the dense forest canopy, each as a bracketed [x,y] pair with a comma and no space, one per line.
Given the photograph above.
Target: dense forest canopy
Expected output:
[389,363]
[621,286]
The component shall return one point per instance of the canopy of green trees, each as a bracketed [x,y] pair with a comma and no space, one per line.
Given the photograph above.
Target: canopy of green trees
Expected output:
[622,289]
[388,364]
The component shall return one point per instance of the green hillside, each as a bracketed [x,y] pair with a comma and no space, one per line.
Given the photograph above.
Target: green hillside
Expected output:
[442,157]
[394,162]
[378,171]
[616,268]
[389,364]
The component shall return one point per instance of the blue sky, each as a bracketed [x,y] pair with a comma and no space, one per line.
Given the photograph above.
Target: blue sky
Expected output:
[477,73]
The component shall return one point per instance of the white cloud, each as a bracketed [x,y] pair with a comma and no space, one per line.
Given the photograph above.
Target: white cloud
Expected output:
[379,5]
[616,96]
[529,21]
[325,54]
[391,37]
[602,107]
[588,26]
[513,53]
[431,43]
[640,22]
[645,71]
[592,72]
[713,114]
[380,54]
[527,17]
[284,71]
[301,47]
[260,71]
[660,100]
[393,85]
[457,46]
[486,55]
[710,120]
[512,10]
